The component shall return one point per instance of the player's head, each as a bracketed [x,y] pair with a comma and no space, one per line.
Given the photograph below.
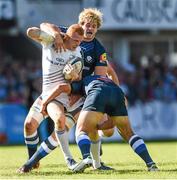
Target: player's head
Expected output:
[91,20]
[74,36]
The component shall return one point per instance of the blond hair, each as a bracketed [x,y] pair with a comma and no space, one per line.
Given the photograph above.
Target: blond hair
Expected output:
[91,15]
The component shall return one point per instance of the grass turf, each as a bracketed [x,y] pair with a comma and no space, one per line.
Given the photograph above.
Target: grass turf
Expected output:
[119,156]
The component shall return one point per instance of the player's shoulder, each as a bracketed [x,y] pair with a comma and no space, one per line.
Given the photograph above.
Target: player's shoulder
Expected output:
[98,43]
[94,43]
[65,53]
[78,51]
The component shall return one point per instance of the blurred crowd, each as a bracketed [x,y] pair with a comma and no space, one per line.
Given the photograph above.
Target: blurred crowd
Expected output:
[147,80]
[20,80]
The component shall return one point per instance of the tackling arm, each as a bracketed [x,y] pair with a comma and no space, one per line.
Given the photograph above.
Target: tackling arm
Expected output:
[100,70]
[112,74]
[61,88]
[107,70]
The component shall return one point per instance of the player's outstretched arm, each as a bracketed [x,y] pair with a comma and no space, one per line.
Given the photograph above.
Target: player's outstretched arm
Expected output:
[37,35]
[100,70]
[55,31]
[34,33]
[112,74]
[61,88]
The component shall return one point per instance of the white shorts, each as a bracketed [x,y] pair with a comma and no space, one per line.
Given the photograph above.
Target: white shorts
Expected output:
[34,111]
[76,105]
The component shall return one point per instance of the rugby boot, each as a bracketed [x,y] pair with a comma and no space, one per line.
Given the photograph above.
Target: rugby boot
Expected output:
[85,163]
[70,163]
[152,167]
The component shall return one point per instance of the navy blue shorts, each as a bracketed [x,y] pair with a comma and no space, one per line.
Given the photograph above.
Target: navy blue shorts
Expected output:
[107,99]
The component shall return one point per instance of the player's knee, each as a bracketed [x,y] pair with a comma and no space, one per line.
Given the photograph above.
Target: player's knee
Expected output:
[126,133]
[94,136]
[79,134]
[70,121]
[109,132]
[106,133]
[54,136]
[30,126]
[60,122]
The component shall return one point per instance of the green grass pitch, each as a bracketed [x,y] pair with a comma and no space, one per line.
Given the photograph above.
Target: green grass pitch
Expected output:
[118,155]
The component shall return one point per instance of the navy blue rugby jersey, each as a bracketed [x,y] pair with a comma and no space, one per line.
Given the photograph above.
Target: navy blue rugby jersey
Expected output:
[89,82]
[94,54]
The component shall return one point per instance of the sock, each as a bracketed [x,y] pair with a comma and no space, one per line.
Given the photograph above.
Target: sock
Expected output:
[31,142]
[83,141]
[63,141]
[95,153]
[139,147]
[101,134]
[44,149]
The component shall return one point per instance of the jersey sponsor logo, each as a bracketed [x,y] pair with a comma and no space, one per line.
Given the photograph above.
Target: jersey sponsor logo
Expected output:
[89,59]
[59,62]
[103,57]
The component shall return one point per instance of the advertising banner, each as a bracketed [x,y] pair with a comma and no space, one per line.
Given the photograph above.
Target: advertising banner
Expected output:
[139,14]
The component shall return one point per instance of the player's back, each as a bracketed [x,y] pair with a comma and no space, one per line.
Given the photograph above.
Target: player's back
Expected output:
[103,95]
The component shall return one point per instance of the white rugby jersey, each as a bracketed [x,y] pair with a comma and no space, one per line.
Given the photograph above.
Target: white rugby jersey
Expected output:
[52,68]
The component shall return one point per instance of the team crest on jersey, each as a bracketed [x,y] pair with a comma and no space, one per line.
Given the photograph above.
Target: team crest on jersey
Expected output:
[89,59]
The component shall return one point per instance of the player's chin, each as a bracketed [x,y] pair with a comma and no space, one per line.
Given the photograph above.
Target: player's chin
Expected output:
[89,35]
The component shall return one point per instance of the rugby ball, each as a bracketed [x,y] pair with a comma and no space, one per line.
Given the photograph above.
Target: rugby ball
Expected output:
[76,63]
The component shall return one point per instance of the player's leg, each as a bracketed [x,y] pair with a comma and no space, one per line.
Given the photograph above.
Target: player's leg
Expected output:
[86,128]
[102,134]
[135,141]
[64,141]
[32,122]
[106,132]
[47,147]
[56,112]
[44,149]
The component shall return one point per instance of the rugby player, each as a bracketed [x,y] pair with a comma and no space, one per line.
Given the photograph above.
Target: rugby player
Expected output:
[52,66]
[96,104]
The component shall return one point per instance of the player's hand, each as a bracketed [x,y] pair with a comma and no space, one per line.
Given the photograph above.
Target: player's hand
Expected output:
[43,109]
[70,73]
[58,43]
